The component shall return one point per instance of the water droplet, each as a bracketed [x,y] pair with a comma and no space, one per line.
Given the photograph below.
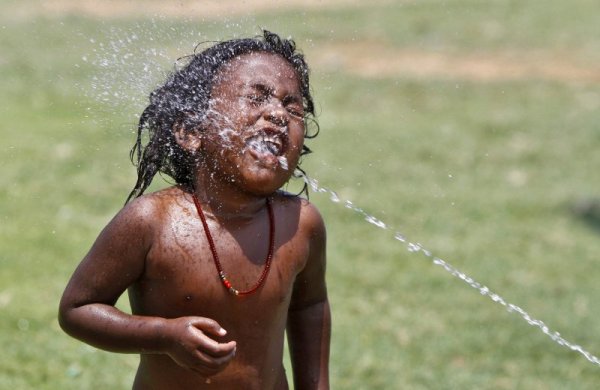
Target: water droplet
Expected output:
[400,237]
[334,197]
[376,222]
[73,370]
[412,247]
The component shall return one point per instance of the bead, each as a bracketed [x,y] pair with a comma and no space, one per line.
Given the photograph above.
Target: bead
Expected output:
[211,243]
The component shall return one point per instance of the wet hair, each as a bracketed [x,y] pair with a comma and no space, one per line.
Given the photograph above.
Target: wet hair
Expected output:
[184,98]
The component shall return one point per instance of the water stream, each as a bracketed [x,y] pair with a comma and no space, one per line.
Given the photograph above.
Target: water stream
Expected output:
[482,289]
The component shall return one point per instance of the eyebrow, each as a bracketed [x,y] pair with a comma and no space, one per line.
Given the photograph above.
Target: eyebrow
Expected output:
[268,90]
[262,88]
[292,99]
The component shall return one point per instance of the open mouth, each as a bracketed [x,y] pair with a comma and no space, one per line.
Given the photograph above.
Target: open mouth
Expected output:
[265,144]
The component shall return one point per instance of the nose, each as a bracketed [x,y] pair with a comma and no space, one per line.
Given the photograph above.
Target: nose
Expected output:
[276,114]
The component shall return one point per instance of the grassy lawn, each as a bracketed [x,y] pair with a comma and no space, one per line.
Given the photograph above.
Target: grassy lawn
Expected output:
[489,173]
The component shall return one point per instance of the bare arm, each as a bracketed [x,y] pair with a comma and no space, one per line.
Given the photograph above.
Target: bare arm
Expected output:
[115,261]
[309,318]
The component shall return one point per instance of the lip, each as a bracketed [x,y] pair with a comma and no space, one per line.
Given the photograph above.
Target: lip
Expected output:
[265,159]
[268,132]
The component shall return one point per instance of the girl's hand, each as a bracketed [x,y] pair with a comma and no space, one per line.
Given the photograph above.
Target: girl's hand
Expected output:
[190,346]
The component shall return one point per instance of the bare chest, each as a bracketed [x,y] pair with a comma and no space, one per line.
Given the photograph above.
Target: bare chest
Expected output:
[181,276]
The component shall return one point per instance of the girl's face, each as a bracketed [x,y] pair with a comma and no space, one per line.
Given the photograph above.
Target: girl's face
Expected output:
[255,123]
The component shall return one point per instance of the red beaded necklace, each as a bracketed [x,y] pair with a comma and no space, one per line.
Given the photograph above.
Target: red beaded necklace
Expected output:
[211,243]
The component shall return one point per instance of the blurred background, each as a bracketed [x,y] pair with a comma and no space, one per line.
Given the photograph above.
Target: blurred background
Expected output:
[470,126]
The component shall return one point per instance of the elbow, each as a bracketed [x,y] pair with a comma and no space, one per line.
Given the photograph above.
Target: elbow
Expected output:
[67,316]
[64,322]
[64,318]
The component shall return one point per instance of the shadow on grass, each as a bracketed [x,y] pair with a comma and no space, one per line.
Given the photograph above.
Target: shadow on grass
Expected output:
[588,211]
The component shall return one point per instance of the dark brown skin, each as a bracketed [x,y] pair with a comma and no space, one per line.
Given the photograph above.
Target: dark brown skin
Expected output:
[190,332]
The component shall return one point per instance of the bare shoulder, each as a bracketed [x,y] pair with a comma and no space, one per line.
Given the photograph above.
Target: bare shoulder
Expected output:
[147,213]
[310,219]
[152,205]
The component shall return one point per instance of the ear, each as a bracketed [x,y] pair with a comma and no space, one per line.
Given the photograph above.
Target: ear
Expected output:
[187,139]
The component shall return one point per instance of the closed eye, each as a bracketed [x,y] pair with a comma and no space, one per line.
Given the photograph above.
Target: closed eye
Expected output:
[295,110]
[256,98]
[294,106]
[260,93]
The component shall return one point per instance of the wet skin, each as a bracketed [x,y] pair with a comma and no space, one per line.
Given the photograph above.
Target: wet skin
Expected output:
[190,331]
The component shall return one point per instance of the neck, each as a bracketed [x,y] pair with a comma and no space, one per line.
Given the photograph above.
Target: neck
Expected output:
[224,200]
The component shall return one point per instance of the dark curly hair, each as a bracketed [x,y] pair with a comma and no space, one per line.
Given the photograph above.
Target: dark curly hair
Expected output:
[184,99]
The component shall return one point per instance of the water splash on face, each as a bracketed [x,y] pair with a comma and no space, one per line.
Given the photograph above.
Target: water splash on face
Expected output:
[227,135]
[131,62]
[283,163]
[482,289]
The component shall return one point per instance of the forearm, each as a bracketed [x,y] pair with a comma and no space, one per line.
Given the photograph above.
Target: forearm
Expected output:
[309,333]
[108,328]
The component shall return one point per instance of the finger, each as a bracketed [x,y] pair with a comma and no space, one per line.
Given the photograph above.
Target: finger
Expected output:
[208,325]
[206,362]
[206,344]
[209,345]
[214,348]
[224,360]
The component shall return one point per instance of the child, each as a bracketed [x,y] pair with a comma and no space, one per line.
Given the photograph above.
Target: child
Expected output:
[221,265]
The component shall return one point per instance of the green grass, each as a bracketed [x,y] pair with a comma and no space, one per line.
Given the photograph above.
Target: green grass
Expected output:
[482,174]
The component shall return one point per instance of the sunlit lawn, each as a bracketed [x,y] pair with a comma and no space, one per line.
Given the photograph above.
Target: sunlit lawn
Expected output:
[483,174]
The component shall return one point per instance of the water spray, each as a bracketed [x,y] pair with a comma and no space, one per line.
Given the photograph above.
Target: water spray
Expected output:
[412,247]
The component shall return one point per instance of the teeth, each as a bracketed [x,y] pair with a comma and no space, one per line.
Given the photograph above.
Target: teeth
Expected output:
[266,143]
[271,139]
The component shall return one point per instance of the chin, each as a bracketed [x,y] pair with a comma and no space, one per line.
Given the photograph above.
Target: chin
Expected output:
[265,189]
[264,185]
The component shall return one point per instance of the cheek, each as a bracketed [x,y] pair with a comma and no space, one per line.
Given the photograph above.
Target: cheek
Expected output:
[296,137]
[231,114]
[228,138]
[226,128]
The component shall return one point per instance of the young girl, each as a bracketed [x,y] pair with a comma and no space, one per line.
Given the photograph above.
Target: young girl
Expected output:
[221,265]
